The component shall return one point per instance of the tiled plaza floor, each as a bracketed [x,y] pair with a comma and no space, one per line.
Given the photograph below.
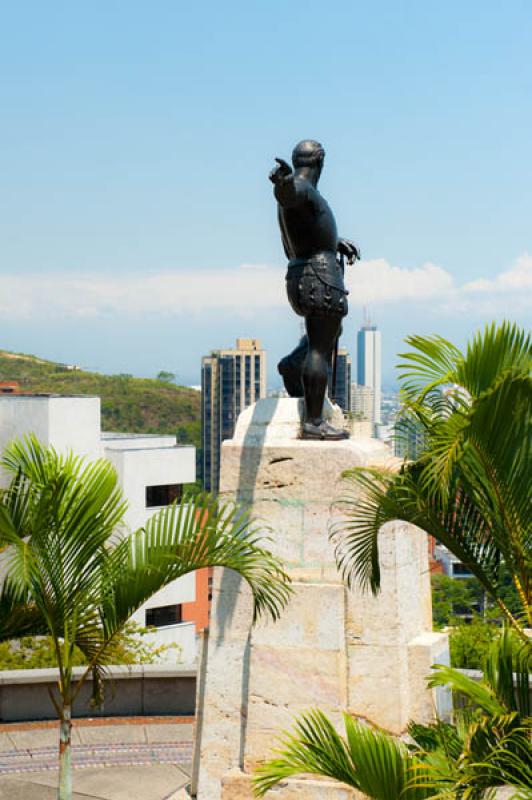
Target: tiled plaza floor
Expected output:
[126,759]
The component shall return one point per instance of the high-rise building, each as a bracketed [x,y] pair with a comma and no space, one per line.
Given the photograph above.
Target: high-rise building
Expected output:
[369,364]
[362,404]
[342,392]
[409,438]
[231,380]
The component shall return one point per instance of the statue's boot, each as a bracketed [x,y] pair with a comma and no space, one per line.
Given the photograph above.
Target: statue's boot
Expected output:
[324,431]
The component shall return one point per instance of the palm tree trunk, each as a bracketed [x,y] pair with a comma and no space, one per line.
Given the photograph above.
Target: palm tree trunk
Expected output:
[65,755]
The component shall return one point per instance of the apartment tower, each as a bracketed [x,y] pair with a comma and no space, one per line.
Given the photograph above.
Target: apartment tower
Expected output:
[231,380]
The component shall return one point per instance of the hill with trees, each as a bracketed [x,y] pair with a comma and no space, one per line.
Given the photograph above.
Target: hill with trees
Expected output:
[136,405]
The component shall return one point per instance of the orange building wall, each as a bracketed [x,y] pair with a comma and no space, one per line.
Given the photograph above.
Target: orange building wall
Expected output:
[198,611]
[434,564]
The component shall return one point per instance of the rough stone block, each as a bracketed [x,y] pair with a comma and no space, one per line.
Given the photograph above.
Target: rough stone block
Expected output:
[238,786]
[424,652]
[378,685]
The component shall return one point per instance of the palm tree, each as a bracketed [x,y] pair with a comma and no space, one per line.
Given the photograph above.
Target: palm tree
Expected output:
[470,486]
[488,745]
[70,575]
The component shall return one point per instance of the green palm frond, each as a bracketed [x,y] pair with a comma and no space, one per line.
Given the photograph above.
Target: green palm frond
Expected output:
[200,532]
[481,695]
[495,726]
[366,505]
[470,486]
[374,499]
[431,363]
[366,759]
[434,362]
[507,672]
[504,688]
[313,747]
[19,616]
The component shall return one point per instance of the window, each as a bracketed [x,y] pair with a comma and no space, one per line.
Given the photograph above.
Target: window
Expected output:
[163,495]
[247,384]
[460,569]
[164,615]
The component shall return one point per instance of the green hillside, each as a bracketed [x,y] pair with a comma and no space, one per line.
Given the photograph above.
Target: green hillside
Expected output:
[136,405]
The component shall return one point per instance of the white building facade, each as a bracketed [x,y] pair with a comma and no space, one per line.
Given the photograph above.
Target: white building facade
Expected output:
[152,471]
[369,364]
[362,401]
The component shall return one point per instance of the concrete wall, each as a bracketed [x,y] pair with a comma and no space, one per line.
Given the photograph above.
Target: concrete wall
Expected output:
[147,689]
[64,422]
[149,465]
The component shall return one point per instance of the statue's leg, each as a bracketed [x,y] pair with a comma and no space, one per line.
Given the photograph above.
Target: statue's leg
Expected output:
[291,368]
[322,332]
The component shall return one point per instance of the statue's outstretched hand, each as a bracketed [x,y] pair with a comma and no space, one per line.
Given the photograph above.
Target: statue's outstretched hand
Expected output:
[280,172]
[349,250]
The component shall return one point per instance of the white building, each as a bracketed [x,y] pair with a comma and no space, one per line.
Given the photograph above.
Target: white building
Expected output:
[152,471]
[362,401]
[369,367]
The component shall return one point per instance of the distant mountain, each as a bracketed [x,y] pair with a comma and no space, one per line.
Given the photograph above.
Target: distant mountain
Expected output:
[136,405]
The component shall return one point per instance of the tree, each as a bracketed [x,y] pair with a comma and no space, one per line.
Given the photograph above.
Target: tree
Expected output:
[469,642]
[70,576]
[38,652]
[166,377]
[470,486]
[453,597]
[487,747]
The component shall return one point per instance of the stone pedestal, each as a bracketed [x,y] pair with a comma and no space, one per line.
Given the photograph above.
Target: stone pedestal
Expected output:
[332,648]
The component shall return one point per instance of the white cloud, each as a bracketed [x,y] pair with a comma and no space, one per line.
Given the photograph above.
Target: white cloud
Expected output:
[252,287]
[373,282]
[518,277]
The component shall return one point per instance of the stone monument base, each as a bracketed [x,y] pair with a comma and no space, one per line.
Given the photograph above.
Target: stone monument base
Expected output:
[238,786]
[332,648]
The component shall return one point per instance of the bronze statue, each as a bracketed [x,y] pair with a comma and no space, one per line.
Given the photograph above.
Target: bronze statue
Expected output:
[314,281]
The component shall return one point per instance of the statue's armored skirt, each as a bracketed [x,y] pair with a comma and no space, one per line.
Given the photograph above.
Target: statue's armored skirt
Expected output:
[315,286]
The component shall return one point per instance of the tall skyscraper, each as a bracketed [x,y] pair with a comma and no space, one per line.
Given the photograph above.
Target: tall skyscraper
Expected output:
[231,380]
[369,363]
[342,391]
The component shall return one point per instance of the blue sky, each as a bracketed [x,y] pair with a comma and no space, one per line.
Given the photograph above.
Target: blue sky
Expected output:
[137,225]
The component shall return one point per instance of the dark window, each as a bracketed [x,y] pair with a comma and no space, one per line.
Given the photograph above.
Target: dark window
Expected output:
[247,384]
[460,569]
[164,615]
[163,495]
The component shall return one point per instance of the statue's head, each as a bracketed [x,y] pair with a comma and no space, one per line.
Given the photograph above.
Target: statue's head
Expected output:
[308,153]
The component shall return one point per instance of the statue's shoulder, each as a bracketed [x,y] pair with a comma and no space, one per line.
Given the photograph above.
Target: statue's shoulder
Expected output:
[304,188]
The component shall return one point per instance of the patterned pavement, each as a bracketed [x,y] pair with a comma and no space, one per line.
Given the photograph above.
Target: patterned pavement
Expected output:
[102,748]
[111,755]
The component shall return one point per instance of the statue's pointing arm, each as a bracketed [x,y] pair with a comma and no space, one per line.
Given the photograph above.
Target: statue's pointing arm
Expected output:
[287,191]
